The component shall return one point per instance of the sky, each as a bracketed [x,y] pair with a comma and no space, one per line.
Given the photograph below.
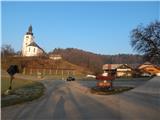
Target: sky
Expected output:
[99,27]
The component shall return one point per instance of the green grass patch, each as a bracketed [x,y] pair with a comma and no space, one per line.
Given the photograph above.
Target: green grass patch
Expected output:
[16,83]
[22,92]
[86,79]
[133,79]
[60,77]
[115,90]
[119,79]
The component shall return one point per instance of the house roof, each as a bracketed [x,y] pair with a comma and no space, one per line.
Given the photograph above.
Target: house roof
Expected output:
[110,66]
[134,66]
[147,63]
[124,66]
[35,45]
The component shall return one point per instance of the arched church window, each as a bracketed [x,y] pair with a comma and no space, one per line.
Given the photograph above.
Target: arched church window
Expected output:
[34,50]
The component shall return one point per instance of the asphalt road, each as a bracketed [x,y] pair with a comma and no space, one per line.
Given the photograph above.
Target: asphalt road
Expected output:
[73,101]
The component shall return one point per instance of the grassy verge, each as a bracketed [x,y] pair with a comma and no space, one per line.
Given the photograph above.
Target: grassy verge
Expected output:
[16,83]
[115,90]
[60,77]
[22,92]
[86,79]
[133,79]
[118,79]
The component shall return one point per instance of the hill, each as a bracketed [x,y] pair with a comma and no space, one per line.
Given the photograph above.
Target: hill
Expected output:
[32,65]
[94,61]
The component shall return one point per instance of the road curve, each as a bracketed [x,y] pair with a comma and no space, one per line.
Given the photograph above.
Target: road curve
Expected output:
[71,101]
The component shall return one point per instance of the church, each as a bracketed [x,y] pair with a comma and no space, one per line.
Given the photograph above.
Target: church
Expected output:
[29,47]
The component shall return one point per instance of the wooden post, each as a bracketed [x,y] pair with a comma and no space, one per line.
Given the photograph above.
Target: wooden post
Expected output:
[11,79]
[37,71]
[44,71]
[56,71]
[50,71]
[73,72]
[31,71]
[24,71]
[62,74]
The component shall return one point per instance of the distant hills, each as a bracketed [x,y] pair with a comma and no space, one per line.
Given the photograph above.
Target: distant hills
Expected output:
[94,61]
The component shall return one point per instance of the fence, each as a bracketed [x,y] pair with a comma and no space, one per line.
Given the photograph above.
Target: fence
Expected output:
[49,71]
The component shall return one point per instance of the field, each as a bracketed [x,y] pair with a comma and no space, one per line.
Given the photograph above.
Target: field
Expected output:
[133,79]
[16,83]
[44,66]
[23,91]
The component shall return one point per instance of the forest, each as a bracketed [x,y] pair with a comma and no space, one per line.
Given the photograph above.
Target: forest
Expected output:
[94,61]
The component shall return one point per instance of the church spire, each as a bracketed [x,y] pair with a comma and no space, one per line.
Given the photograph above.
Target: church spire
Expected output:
[29,30]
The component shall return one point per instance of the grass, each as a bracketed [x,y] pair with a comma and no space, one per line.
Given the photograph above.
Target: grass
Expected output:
[37,62]
[16,83]
[23,91]
[131,78]
[86,79]
[60,77]
[122,79]
[115,90]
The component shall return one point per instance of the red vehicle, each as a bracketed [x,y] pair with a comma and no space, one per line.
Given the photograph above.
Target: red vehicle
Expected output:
[105,81]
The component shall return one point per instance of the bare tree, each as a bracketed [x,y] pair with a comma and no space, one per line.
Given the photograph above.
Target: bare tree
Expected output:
[7,50]
[146,40]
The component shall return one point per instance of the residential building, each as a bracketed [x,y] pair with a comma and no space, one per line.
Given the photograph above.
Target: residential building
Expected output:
[124,70]
[149,68]
[55,57]
[111,69]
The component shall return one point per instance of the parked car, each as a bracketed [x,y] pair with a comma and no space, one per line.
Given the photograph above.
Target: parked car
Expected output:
[157,74]
[70,78]
[91,76]
[146,75]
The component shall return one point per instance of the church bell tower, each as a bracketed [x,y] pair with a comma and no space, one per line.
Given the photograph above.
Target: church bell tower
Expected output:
[28,38]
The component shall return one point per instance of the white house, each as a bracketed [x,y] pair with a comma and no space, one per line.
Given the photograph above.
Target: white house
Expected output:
[119,70]
[29,47]
[55,57]
[124,71]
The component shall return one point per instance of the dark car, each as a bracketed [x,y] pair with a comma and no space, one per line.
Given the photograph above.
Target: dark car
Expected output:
[70,78]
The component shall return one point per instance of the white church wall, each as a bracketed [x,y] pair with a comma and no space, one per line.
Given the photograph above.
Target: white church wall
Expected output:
[31,50]
[27,40]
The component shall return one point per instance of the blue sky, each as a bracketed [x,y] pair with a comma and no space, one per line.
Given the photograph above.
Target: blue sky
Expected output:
[99,27]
